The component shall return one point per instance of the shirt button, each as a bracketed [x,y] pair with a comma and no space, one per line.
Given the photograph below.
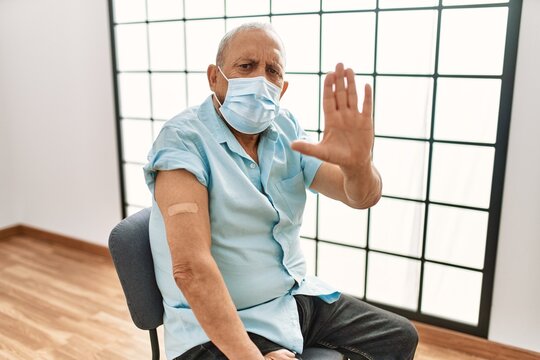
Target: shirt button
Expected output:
[253,165]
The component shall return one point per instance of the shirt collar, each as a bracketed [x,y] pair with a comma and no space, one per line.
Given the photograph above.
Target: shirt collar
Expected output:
[208,115]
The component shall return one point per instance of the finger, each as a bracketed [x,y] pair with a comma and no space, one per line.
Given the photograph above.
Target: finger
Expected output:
[367,107]
[309,149]
[352,96]
[341,92]
[329,101]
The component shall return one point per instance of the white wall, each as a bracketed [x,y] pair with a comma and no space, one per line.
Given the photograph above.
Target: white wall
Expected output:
[56,86]
[515,314]
[58,163]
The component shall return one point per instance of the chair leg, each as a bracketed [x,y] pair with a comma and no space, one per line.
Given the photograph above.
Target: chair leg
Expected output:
[155,344]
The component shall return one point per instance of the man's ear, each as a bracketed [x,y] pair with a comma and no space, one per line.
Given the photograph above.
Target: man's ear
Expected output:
[211,74]
[285,86]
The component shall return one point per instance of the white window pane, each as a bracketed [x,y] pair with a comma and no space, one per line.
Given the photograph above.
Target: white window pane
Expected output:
[456,236]
[133,210]
[403,167]
[403,106]
[407,42]
[461,174]
[232,23]
[473,41]
[202,40]
[338,27]
[198,88]
[204,8]
[393,280]
[156,126]
[302,99]
[167,46]
[334,5]
[300,35]
[341,223]
[134,92]
[470,2]
[397,226]
[287,6]
[385,4]
[309,222]
[360,82]
[308,248]
[168,95]
[451,293]
[136,140]
[342,267]
[247,7]
[165,9]
[137,192]
[476,117]
[131,47]
[129,10]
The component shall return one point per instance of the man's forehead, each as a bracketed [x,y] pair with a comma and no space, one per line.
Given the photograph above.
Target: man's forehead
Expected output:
[253,42]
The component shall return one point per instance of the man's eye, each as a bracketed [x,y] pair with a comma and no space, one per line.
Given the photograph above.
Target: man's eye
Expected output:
[245,66]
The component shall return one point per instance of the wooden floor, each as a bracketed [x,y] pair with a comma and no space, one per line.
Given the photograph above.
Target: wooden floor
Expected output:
[57,302]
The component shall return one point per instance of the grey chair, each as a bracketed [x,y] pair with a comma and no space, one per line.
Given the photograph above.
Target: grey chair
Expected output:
[129,245]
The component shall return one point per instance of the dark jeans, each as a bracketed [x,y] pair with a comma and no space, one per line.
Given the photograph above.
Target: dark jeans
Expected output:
[354,328]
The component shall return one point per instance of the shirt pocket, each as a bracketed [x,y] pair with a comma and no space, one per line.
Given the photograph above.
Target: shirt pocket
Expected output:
[292,194]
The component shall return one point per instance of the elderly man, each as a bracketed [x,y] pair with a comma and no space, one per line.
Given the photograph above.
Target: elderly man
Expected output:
[228,180]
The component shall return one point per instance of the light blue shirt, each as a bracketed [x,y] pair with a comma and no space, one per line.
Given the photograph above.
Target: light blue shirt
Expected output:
[255,217]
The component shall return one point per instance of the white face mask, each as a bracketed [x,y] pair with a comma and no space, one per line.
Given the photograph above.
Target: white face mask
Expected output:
[251,104]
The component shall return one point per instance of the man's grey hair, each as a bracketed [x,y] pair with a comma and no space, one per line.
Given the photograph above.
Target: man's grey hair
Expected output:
[226,40]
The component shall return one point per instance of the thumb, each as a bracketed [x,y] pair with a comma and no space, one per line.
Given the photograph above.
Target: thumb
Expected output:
[309,149]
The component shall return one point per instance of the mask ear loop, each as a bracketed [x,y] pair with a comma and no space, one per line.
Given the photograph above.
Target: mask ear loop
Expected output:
[215,95]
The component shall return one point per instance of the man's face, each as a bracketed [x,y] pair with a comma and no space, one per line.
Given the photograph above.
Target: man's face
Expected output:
[250,53]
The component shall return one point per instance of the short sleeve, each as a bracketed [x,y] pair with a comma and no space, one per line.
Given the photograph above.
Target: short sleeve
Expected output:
[175,149]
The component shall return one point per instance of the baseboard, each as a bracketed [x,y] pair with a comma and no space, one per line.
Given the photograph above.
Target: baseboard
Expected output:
[52,237]
[472,345]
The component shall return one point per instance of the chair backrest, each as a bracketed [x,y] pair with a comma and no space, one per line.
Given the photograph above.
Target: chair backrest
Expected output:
[129,245]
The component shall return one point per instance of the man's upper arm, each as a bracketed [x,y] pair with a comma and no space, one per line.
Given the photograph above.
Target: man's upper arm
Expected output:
[183,202]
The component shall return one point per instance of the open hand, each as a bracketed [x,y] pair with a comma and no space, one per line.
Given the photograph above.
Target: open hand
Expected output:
[348,133]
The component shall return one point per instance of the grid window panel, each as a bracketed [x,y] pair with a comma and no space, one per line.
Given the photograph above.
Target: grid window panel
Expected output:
[340,223]
[247,7]
[476,117]
[309,220]
[168,95]
[456,236]
[451,293]
[165,9]
[397,226]
[198,88]
[231,23]
[296,6]
[167,45]
[134,95]
[461,174]
[136,190]
[129,10]
[302,99]
[406,42]
[132,49]
[204,9]
[403,106]
[336,5]
[156,128]
[342,267]
[309,250]
[473,41]
[336,28]
[137,139]
[385,4]
[393,280]
[300,35]
[403,166]
[202,40]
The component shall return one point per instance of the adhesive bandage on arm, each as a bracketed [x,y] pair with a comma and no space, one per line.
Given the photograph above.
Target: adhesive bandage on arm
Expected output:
[182,208]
